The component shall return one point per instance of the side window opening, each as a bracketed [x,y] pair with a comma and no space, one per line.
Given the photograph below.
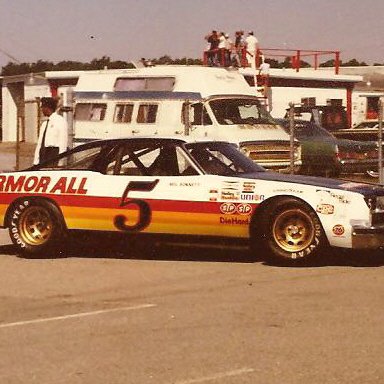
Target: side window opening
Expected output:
[90,111]
[199,115]
[123,113]
[145,160]
[147,113]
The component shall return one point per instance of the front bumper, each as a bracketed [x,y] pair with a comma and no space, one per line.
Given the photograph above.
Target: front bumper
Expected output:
[367,238]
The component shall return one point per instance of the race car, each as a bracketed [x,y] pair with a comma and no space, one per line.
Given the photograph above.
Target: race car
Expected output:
[193,192]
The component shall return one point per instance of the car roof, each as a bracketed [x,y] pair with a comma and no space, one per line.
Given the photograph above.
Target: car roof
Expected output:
[170,139]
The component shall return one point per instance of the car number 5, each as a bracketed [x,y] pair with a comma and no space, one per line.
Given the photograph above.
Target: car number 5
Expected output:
[145,213]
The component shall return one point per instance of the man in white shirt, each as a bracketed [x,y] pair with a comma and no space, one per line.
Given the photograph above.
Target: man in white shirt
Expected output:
[264,67]
[252,45]
[53,137]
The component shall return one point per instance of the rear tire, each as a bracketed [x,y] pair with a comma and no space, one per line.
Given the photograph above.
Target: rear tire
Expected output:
[36,227]
[290,232]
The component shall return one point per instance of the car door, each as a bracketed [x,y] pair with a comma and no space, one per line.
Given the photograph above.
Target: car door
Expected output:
[153,187]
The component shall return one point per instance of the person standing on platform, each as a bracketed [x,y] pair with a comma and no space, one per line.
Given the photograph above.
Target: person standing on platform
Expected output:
[213,43]
[53,136]
[252,45]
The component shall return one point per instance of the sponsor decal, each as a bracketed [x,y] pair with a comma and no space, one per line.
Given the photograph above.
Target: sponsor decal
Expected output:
[228,208]
[43,184]
[325,209]
[340,197]
[213,194]
[244,209]
[230,190]
[338,230]
[232,209]
[249,197]
[230,195]
[249,187]
[234,221]
[231,185]
[288,190]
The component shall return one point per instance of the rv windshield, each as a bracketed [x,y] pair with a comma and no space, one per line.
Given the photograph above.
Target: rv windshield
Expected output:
[240,111]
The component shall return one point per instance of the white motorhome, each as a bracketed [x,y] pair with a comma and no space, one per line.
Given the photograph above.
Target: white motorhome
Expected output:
[196,101]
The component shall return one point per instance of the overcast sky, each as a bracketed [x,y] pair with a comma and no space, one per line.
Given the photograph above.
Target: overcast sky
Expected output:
[127,30]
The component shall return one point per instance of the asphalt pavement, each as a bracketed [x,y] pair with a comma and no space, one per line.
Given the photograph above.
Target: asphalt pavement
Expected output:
[107,313]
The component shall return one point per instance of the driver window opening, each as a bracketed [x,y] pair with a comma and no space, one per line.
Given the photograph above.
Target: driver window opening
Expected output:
[198,114]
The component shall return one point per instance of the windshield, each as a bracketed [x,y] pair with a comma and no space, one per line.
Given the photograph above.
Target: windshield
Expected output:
[218,158]
[240,111]
[305,129]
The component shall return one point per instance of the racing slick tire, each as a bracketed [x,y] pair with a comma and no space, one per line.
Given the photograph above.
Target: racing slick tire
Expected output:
[36,227]
[290,232]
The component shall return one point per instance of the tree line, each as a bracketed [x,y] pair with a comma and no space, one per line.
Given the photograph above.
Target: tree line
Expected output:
[12,68]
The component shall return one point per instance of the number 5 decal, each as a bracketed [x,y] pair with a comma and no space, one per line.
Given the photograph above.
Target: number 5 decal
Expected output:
[145,213]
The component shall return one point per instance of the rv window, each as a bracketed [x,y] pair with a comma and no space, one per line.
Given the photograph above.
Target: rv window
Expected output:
[145,84]
[90,111]
[123,113]
[160,84]
[147,113]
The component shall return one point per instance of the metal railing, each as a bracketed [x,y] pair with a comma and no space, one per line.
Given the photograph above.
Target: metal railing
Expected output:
[296,57]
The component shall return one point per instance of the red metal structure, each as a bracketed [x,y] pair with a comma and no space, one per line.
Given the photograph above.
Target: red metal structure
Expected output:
[296,56]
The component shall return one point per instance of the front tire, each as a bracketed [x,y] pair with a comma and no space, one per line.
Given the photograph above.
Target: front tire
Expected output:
[36,226]
[290,232]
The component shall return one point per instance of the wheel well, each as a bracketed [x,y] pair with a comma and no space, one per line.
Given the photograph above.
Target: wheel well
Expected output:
[257,217]
[31,198]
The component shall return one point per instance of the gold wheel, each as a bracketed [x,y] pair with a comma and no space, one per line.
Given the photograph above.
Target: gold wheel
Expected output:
[35,225]
[293,230]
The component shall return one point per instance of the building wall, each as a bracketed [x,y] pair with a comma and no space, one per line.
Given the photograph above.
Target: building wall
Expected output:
[282,96]
[9,95]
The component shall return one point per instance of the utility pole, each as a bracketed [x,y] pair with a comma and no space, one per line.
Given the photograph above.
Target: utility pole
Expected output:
[292,137]
[380,140]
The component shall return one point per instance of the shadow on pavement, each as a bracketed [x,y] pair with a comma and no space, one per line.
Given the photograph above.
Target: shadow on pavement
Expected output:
[338,257]
[8,250]
[115,246]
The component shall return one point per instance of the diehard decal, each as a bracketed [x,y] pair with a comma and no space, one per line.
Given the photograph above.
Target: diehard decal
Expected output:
[234,221]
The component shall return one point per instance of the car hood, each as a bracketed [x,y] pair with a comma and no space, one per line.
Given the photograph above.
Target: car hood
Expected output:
[342,143]
[365,189]
[358,145]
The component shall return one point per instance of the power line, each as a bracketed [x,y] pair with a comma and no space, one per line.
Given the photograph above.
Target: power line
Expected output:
[10,56]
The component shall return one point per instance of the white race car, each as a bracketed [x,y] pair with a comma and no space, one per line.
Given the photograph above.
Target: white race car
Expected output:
[193,192]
